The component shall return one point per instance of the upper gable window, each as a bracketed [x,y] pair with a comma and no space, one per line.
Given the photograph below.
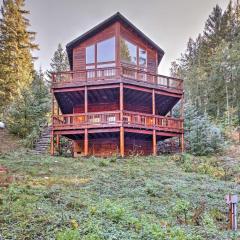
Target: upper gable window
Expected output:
[106,50]
[128,52]
[90,54]
[142,57]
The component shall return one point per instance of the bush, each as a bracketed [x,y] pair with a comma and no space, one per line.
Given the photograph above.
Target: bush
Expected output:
[181,210]
[201,135]
[68,234]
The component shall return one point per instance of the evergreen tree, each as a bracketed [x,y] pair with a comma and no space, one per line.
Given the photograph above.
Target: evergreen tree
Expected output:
[59,62]
[30,111]
[210,67]
[213,27]
[16,43]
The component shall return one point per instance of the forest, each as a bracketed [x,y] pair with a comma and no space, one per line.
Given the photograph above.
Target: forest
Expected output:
[210,68]
[170,196]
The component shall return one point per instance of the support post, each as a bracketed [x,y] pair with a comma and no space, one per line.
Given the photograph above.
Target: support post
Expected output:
[122,141]
[182,116]
[86,118]
[154,143]
[182,143]
[58,144]
[121,120]
[52,144]
[85,100]
[154,139]
[52,132]
[85,142]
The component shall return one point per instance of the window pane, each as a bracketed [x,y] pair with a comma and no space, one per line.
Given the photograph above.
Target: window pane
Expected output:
[142,57]
[128,52]
[90,54]
[106,50]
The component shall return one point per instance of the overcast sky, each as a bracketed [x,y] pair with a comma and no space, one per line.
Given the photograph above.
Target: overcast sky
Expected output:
[169,23]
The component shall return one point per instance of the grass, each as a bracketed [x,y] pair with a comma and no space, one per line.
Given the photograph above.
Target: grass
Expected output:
[93,198]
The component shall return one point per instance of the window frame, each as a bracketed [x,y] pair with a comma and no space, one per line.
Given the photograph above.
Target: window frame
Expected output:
[138,47]
[99,65]
[94,54]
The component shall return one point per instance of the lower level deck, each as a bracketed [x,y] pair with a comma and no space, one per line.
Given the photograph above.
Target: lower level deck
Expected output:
[123,141]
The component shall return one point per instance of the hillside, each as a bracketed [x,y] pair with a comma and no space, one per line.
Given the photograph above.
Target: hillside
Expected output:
[8,142]
[165,197]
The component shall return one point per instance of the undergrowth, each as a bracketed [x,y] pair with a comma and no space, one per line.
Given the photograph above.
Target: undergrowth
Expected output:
[91,198]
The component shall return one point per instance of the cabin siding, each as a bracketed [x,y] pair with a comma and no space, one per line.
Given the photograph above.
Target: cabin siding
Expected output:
[79,52]
[151,53]
[104,147]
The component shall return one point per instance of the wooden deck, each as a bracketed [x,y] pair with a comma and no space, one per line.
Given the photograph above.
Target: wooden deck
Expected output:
[112,119]
[111,75]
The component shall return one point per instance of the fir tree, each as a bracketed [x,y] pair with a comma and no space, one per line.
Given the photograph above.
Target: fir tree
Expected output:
[30,111]
[59,62]
[16,43]
[210,67]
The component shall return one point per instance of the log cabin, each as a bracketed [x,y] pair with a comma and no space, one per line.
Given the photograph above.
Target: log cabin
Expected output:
[113,101]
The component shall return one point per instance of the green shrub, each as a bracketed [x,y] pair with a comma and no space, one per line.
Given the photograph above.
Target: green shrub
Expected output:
[208,223]
[181,210]
[68,234]
[113,211]
[201,135]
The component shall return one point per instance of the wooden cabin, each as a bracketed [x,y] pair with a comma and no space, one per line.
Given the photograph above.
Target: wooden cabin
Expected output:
[112,101]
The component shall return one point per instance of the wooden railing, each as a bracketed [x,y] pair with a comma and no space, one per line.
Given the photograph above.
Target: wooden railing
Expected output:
[131,119]
[74,120]
[126,72]
[149,120]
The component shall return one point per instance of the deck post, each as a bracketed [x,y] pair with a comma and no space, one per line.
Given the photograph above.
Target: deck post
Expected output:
[121,120]
[182,116]
[154,143]
[154,139]
[122,141]
[182,143]
[58,144]
[86,117]
[52,132]
[52,144]
[85,142]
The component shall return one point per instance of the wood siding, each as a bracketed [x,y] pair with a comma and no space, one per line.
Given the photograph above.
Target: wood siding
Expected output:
[151,53]
[110,146]
[117,30]
[79,52]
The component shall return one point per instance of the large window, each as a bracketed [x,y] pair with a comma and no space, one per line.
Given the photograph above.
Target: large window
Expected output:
[142,57]
[128,52]
[106,50]
[90,54]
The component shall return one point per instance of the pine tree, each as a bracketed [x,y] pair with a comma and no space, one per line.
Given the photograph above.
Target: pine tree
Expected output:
[210,67]
[16,43]
[227,23]
[213,27]
[30,111]
[59,62]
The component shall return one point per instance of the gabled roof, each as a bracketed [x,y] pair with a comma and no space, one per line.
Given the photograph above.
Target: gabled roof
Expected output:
[109,21]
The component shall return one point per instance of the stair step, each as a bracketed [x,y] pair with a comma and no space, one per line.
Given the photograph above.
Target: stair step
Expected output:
[43,143]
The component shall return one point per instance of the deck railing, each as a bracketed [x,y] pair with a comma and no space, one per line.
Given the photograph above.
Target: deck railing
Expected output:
[63,78]
[131,119]
[76,120]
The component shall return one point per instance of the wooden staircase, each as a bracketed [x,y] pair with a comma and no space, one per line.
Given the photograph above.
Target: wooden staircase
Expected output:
[43,143]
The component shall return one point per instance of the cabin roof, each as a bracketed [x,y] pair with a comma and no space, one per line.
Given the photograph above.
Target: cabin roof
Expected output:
[109,21]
